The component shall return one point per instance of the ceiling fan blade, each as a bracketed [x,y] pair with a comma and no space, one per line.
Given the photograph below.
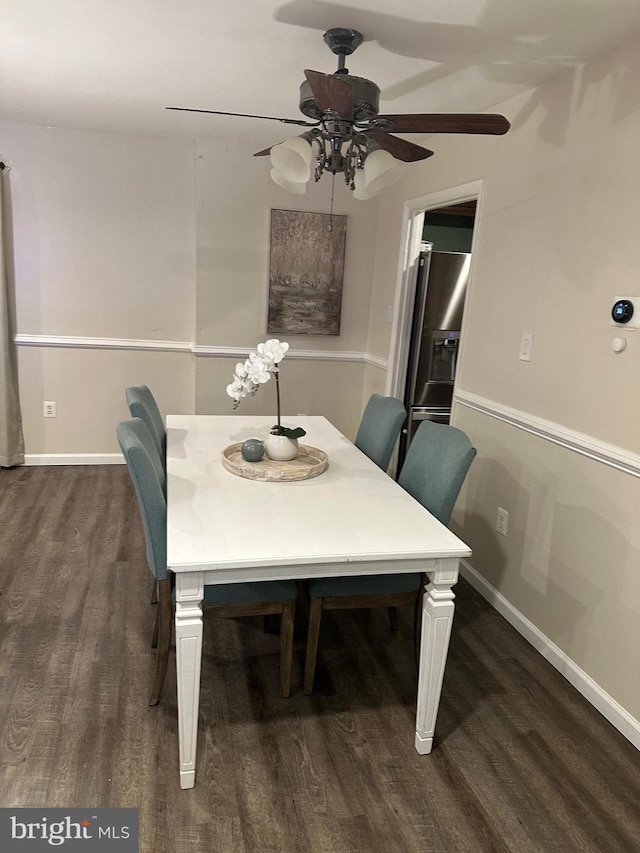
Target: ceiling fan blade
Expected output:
[245,115]
[331,93]
[448,123]
[263,153]
[400,148]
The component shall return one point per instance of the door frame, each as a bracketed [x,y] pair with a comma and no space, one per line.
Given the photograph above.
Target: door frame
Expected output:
[410,239]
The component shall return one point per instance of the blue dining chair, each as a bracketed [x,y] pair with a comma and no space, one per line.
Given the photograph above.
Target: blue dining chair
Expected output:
[142,404]
[433,473]
[380,427]
[228,600]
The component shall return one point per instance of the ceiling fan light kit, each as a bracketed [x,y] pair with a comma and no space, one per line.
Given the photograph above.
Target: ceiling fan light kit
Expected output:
[289,186]
[347,133]
[359,190]
[363,159]
[381,170]
[292,159]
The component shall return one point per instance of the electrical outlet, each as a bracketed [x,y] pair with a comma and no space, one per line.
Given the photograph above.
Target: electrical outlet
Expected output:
[502,521]
[48,409]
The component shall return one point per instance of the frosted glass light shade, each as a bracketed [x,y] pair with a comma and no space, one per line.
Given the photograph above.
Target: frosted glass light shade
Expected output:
[277,178]
[359,191]
[292,158]
[381,170]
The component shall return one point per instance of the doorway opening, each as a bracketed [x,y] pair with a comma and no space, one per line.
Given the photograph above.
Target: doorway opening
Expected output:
[450,228]
[432,290]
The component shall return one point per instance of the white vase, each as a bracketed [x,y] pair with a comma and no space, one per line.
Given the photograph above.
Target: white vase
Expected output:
[280,448]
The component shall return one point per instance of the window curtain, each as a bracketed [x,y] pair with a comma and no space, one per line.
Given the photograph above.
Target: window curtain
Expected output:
[11,438]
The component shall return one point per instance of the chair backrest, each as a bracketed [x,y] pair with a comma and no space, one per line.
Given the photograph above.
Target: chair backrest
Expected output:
[380,427]
[147,475]
[435,467]
[142,404]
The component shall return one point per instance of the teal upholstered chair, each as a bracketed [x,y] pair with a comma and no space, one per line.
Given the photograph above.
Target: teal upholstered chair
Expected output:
[242,599]
[379,428]
[433,473]
[142,404]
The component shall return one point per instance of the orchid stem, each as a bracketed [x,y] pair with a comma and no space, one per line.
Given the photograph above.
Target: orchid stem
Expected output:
[275,373]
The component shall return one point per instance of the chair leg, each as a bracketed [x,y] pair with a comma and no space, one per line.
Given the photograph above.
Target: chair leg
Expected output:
[393,618]
[286,647]
[164,620]
[313,636]
[154,593]
[154,637]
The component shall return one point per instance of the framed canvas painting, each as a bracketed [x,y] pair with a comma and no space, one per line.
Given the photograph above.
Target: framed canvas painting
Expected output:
[306,268]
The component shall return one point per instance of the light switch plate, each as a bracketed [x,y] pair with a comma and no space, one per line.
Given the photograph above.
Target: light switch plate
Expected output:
[526,346]
[502,521]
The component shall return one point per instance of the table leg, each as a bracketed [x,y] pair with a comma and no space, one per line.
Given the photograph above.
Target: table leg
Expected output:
[437,619]
[189,594]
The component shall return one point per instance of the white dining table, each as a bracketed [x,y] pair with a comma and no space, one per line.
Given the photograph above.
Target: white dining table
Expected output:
[352,519]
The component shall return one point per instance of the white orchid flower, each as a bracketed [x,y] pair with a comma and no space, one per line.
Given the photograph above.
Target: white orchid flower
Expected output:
[233,391]
[273,350]
[265,357]
[258,371]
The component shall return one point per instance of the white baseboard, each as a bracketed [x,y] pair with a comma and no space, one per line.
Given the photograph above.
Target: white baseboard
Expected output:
[584,684]
[74,459]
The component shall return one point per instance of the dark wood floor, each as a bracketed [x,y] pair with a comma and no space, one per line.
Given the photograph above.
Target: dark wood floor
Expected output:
[521,762]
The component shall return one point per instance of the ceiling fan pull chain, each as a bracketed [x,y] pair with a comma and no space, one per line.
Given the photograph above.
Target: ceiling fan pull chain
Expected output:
[333,186]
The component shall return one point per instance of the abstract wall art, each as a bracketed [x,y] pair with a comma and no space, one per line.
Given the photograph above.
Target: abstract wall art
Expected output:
[306,268]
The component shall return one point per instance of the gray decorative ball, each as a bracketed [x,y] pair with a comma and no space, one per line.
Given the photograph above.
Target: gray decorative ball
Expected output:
[252,450]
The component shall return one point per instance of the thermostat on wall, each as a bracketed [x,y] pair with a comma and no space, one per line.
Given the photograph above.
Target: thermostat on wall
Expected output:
[625,311]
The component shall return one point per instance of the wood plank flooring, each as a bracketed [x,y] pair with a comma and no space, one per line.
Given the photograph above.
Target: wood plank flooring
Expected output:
[521,762]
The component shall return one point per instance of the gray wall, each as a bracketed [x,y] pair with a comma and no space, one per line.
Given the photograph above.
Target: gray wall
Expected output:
[557,437]
[143,260]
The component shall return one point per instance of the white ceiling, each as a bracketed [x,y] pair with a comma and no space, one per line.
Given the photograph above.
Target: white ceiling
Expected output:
[115,64]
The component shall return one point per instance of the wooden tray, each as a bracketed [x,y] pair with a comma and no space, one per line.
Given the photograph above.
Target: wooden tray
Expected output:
[308,463]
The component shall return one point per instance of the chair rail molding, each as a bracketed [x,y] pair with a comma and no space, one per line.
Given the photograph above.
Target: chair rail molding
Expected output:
[67,342]
[585,445]
[203,351]
[198,350]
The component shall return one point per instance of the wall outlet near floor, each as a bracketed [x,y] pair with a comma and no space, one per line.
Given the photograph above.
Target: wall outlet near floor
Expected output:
[502,521]
[48,409]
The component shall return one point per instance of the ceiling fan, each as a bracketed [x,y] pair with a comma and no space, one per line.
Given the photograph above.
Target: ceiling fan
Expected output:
[349,134]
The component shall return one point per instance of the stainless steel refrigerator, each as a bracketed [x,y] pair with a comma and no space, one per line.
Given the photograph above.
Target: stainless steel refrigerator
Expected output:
[441,286]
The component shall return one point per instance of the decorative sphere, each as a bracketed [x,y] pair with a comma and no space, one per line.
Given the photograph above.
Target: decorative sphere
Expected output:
[252,450]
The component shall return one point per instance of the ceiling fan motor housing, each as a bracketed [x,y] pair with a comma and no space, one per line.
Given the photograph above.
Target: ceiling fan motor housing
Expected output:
[366,99]
[342,41]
